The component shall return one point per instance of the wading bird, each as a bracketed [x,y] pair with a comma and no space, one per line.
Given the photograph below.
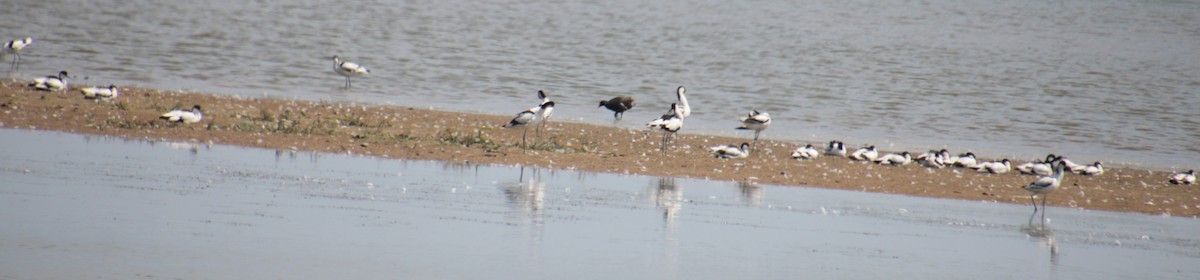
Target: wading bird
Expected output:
[669,124]
[348,69]
[618,105]
[1044,186]
[14,48]
[757,121]
[524,118]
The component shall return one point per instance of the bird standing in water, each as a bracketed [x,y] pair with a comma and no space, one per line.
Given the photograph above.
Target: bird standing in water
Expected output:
[618,105]
[348,69]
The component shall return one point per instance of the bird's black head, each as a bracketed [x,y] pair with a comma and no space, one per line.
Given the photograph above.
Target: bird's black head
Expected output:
[602,103]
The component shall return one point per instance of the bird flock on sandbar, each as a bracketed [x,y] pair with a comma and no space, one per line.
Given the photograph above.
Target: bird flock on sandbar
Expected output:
[1051,169]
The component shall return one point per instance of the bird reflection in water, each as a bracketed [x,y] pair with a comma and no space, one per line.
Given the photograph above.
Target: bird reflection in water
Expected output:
[668,197]
[1044,236]
[526,198]
[527,195]
[752,193]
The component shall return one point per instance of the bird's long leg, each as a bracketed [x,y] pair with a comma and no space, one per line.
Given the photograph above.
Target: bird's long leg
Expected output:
[523,132]
[666,139]
[1044,209]
[1034,202]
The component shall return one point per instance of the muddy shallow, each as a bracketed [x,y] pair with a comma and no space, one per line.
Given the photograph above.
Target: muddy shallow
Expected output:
[78,206]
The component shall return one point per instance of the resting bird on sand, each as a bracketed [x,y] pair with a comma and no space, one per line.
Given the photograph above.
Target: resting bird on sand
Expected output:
[102,93]
[52,83]
[179,115]
[730,151]
[806,152]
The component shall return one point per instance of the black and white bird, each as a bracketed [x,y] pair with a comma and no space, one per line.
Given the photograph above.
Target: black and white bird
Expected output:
[757,121]
[348,69]
[547,111]
[685,110]
[618,105]
[101,93]
[806,152]
[967,160]
[995,167]
[835,148]
[525,118]
[14,48]
[1186,178]
[1089,170]
[933,158]
[1045,185]
[730,151]
[1071,166]
[669,124]
[895,159]
[183,116]
[867,153]
[1043,168]
[52,83]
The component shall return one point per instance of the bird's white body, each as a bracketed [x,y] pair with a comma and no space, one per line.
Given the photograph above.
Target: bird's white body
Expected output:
[51,83]
[730,151]
[685,110]
[669,124]
[967,160]
[1185,178]
[895,159]
[1045,185]
[525,117]
[15,46]
[835,148]
[865,154]
[1090,170]
[184,116]
[348,69]
[757,121]
[806,152]
[1071,166]
[934,159]
[102,93]
[995,167]
[547,106]
[1035,168]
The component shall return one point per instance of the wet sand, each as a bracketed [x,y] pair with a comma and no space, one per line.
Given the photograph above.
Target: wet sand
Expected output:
[411,133]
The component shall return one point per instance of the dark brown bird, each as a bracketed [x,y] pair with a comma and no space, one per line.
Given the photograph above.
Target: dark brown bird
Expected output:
[618,105]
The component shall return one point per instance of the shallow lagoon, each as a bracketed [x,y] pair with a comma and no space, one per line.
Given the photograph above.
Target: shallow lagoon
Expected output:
[77,206]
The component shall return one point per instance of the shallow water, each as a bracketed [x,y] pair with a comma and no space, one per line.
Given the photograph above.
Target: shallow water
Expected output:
[1095,80]
[79,207]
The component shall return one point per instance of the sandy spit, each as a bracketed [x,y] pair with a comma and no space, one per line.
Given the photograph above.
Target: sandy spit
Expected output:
[411,133]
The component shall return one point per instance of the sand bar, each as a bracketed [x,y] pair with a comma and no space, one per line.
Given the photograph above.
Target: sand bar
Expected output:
[412,133]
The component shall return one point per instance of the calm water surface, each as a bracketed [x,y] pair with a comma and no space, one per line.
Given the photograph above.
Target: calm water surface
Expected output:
[85,207]
[1092,79]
